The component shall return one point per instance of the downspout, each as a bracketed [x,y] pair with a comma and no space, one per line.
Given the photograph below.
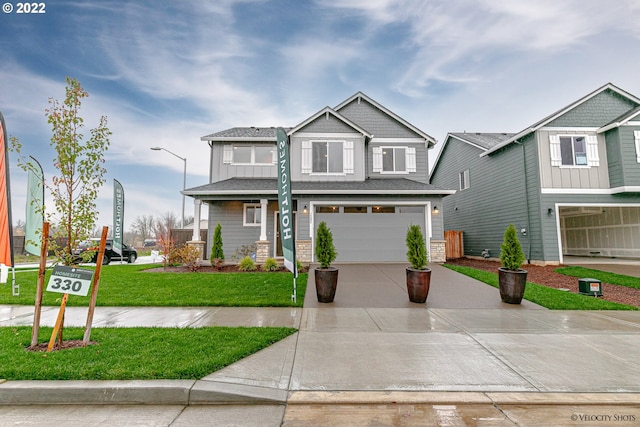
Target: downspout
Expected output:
[526,200]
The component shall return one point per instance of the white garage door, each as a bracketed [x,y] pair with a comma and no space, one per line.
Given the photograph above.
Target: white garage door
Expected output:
[370,233]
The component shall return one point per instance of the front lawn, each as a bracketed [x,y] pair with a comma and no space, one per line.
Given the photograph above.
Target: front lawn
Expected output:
[132,353]
[603,276]
[550,298]
[131,285]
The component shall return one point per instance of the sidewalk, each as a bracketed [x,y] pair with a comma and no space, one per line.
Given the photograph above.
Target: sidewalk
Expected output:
[372,355]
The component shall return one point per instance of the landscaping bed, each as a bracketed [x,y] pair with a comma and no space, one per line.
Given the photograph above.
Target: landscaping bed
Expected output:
[547,276]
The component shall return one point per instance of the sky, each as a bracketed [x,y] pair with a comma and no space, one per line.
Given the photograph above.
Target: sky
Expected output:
[166,73]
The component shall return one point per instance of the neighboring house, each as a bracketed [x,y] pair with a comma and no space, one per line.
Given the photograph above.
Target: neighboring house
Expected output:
[570,183]
[359,167]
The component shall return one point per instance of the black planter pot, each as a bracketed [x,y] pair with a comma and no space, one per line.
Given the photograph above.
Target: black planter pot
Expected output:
[512,285]
[326,283]
[418,282]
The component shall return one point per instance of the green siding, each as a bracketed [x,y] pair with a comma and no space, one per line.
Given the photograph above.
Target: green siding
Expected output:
[495,199]
[597,111]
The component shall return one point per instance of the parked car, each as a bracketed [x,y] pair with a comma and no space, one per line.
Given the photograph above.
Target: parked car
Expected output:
[129,254]
[149,242]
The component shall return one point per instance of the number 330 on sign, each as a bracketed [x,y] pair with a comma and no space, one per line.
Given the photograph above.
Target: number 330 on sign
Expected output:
[70,280]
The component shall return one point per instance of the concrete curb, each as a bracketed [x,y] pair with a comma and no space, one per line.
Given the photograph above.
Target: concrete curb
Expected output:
[190,392]
[144,392]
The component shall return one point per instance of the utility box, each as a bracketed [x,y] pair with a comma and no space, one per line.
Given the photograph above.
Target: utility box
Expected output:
[592,287]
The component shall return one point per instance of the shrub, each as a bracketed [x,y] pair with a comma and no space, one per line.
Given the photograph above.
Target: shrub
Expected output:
[416,248]
[325,250]
[189,256]
[511,254]
[217,252]
[246,264]
[270,264]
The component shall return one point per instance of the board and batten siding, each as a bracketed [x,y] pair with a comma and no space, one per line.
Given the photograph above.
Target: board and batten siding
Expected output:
[579,177]
[220,170]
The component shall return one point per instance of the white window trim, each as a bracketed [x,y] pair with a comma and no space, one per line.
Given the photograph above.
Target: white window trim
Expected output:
[464,175]
[406,159]
[347,155]
[636,135]
[591,150]
[244,214]
[228,155]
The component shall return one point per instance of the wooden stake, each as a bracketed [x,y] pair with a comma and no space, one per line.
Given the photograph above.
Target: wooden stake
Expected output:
[59,322]
[94,287]
[40,286]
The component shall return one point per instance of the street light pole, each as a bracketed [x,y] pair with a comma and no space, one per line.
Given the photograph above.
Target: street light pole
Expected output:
[184,176]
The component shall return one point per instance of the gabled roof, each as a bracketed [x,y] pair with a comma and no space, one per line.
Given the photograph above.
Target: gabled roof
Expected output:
[390,113]
[619,121]
[330,111]
[480,140]
[252,133]
[552,117]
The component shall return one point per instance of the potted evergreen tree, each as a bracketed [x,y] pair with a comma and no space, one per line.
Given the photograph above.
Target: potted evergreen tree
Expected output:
[511,278]
[326,276]
[418,275]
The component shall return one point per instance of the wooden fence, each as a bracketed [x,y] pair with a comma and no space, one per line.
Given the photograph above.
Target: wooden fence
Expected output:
[455,244]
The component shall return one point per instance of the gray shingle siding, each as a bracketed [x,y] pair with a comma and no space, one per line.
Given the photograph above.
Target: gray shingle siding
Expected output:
[376,121]
[597,111]
[330,125]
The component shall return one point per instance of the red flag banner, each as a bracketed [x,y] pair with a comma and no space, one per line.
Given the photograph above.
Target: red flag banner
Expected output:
[6,234]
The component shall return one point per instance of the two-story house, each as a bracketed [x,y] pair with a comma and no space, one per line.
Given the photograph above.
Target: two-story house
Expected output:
[570,183]
[358,167]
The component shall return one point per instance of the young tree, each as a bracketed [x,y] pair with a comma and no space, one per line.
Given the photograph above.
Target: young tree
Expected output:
[79,163]
[217,252]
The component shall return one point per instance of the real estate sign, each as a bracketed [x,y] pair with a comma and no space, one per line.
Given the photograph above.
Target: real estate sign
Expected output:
[285,203]
[118,216]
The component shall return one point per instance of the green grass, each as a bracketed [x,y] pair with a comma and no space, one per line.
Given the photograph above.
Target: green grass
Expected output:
[550,298]
[603,276]
[131,285]
[132,353]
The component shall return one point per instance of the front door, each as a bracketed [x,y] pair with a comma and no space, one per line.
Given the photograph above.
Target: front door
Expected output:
[277,241]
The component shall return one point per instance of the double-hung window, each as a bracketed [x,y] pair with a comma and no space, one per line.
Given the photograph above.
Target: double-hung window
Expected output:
[327,157]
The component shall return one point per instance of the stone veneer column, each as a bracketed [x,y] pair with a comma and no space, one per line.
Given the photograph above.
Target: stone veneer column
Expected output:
[438,251]
[262,251]
[303,250]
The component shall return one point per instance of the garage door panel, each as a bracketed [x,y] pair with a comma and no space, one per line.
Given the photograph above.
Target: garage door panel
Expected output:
[370,237]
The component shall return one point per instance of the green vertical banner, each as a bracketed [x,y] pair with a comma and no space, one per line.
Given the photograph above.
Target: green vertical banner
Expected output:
[285,204]
[34,216]
[118,216]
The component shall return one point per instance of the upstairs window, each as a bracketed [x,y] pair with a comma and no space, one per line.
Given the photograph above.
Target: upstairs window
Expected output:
[394,159]
[327,157]
[574,150]
[245,154]
[464,180]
